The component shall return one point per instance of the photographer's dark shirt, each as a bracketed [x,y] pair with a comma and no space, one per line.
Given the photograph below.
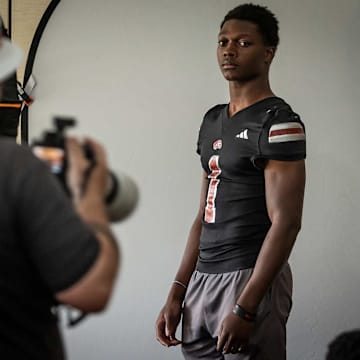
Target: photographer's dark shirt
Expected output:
[44,248]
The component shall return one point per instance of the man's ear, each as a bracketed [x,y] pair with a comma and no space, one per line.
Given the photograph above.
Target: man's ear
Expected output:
[269,54]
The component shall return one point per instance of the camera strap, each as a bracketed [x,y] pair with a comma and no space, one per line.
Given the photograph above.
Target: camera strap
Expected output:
[29,81]
[14,99]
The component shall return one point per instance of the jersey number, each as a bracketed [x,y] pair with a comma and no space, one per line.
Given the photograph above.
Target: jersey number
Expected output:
[210,210]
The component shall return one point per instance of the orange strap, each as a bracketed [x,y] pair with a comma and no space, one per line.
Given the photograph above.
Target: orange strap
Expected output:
[4,105]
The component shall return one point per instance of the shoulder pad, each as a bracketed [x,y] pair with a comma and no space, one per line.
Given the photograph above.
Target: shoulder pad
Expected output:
[215,109]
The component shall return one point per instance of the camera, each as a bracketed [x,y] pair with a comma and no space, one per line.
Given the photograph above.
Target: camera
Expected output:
[122,192]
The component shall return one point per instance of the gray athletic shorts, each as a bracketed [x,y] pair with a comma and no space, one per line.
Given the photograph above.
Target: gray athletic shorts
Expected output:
[210,297]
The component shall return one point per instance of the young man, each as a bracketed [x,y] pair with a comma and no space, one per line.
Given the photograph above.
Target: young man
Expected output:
[234,285]
[52,250]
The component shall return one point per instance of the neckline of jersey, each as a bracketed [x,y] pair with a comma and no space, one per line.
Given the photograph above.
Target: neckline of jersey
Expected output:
[226,108]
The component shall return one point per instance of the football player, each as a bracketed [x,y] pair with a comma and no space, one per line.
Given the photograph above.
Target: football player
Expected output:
[233,288]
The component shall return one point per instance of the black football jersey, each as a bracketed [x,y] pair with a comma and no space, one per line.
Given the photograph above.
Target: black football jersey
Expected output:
[235,220]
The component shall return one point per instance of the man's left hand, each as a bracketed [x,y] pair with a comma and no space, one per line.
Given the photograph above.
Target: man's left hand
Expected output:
[234,334]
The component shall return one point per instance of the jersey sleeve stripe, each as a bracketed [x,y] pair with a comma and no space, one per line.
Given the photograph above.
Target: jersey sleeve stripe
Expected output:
[291,131]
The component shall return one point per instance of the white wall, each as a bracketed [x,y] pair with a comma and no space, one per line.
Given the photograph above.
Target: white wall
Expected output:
[139,75]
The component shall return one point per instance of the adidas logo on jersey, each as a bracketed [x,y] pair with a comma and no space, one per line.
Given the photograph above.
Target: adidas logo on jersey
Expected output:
[243,134]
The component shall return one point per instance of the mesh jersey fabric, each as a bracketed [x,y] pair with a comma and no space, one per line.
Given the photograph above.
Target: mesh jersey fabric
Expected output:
[236,221]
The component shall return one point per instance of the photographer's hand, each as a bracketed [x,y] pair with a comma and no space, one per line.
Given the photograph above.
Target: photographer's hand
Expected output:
[87,188]
[78,173]
[77,168]
[93,290]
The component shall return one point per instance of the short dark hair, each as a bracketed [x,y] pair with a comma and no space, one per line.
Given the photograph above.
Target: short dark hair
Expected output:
[261,16]
[346,346]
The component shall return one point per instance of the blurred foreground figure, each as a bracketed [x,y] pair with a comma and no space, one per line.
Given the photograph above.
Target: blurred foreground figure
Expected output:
[233,288]
[346,346]
[53,249]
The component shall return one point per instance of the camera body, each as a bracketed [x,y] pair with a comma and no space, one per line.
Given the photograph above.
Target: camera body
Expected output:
[51,148]
[122,192]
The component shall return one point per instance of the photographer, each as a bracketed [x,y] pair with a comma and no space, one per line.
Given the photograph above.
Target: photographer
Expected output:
[53,249]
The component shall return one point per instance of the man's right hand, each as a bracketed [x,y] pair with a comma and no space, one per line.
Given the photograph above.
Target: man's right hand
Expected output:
[170,315]
[167,323]
[77,173]
[92,291]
